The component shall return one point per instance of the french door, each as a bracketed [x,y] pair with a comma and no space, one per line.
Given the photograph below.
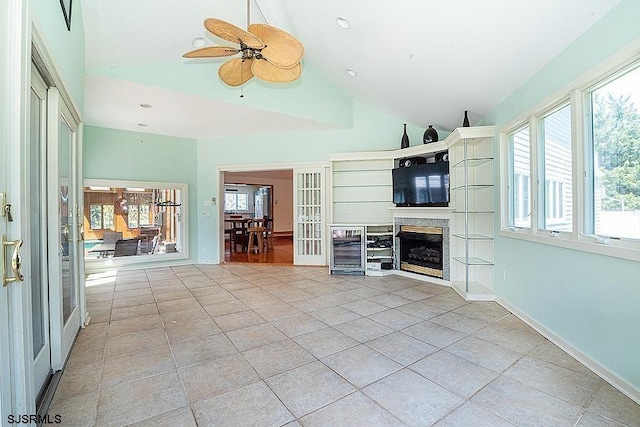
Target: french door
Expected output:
[64,237]
[309,240]
[36,232]
[41,295]
[52,206]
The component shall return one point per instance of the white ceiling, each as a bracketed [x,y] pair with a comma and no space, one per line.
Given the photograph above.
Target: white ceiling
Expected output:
[423,61]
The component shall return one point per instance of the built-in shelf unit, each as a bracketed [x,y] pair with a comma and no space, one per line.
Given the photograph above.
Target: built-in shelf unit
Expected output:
[362,194]
[379,239]
[472,196]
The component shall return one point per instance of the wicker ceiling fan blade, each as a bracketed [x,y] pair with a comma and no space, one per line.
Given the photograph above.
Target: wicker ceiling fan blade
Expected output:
[281,48]
[232,33]
[268,72]
[236,72]
[211,52]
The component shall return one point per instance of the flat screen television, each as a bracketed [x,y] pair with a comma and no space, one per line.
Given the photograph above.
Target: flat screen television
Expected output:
[421,185]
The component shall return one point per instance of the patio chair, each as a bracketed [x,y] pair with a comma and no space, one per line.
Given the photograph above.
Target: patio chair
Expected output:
[126,247]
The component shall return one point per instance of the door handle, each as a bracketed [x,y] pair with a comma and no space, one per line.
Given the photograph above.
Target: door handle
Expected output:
[16,261]
[65,233]
[80,232]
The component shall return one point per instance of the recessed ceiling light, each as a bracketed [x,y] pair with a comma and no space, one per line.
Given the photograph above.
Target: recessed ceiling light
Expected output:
[351,72]
[145,105]
[343,23]
[143,124]
[198,42]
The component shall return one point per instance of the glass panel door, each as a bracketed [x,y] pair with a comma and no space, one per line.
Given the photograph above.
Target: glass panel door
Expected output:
[65,212]
[63,231]
[36,238]
[308,234]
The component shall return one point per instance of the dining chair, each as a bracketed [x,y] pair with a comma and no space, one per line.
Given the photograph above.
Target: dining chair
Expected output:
[268,231]
[239,234]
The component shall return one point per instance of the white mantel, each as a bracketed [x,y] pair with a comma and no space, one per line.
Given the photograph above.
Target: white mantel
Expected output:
[423,212]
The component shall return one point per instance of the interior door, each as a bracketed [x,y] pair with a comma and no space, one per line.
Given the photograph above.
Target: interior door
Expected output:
[36,234]
[16,381]
[63,232]
[309,204]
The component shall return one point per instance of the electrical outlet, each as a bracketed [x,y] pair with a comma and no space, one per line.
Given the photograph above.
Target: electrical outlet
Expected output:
[206,213]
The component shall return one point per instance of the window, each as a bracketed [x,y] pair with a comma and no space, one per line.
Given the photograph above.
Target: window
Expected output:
[573,180]
[153,213]
[101,216]
[554,203]
[520,186]
[138,209]
[558,171]
[615,167]
[236,202]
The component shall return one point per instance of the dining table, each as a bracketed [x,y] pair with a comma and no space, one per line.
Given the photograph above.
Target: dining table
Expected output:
[239,228]
[103,249]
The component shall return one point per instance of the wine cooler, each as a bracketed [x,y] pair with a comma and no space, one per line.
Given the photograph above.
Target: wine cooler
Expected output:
[347,250]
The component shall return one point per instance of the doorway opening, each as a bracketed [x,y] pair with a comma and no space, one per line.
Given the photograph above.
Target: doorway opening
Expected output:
[260,195]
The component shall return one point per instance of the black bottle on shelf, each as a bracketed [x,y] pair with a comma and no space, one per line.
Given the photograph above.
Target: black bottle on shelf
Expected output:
[404,143]
[465,122]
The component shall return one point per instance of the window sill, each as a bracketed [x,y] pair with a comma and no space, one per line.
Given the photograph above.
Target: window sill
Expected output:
[584,244]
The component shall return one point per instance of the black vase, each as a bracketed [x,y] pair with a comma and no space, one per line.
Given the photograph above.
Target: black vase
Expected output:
[404,143]
[465,122]
[430,135]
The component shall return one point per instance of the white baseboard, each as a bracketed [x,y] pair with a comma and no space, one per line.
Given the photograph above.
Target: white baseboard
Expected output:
[623,386]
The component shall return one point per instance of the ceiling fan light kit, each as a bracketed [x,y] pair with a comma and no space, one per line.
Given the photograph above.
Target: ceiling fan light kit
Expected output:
[268,53]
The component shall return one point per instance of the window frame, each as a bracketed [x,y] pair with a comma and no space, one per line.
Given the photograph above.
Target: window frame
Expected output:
[102,206]
[236,196]
[577,95]
[183,225]
[542,166]
[511,213]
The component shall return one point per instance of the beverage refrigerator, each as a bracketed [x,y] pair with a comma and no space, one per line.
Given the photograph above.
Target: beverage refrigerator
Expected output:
[347,249]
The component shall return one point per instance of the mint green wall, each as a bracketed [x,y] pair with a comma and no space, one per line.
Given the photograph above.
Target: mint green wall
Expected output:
[136,156]
[591,301]
[66,48]
[372,130]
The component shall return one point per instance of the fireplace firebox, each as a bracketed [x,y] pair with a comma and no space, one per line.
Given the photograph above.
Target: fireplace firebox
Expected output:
[421,250]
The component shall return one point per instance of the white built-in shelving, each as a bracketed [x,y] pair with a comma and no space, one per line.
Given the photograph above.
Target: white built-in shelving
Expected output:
[379,251]
[362,193]
[472,197]
[362,190]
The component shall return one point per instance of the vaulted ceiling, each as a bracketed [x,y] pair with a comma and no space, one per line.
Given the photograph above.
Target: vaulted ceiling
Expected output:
[422,61]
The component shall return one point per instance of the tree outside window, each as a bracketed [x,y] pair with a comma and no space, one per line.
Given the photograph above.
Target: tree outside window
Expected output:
[616,157]
[138,209]
[102,216]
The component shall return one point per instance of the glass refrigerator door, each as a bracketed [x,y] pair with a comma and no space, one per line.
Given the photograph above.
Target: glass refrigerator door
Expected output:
[347,249]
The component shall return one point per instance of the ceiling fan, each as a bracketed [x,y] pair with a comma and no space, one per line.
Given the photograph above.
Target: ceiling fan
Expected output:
[268,53]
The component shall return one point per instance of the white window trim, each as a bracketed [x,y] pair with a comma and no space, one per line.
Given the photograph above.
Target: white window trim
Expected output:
[577,91]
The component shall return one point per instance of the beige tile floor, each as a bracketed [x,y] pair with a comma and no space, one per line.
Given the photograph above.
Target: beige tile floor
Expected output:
[261,345]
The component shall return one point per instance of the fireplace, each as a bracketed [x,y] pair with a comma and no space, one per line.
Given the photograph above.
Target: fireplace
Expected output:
[421,250]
